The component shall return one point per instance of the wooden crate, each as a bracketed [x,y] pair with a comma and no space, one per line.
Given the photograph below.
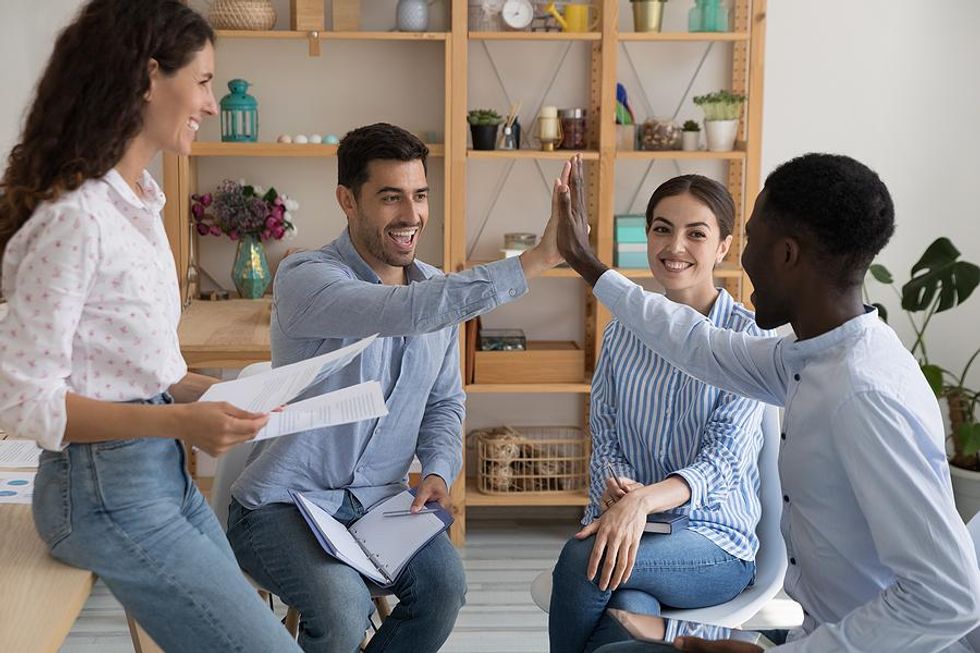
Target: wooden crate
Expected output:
[544,361]
[306,15]
[346,15]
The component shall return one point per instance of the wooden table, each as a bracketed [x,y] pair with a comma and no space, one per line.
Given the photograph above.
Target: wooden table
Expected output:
[225,334]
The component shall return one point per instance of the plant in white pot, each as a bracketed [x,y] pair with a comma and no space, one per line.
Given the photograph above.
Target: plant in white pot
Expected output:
[690,136]
[940,281]
[721,112]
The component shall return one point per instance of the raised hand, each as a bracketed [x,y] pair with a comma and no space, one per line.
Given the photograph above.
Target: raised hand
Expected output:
[545,254]
[573,228]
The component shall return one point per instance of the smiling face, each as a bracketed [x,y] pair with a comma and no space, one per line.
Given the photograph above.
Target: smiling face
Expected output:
[388,214]
[684,244]
[177,104]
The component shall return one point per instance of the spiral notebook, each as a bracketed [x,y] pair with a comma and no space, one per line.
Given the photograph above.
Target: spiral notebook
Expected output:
[377,546]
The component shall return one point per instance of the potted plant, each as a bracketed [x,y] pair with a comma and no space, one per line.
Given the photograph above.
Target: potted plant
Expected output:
[940,281]
[483,127]
[721,111]
[690,136]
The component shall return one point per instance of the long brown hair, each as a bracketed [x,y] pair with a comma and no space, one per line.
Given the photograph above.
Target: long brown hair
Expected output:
[88,105]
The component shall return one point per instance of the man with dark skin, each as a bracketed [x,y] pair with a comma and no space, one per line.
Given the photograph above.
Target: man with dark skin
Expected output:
[878,557]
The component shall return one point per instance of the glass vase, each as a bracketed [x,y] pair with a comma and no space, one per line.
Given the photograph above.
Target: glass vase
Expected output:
[250,273]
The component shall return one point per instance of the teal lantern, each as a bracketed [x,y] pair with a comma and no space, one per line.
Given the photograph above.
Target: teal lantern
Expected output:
[239,114]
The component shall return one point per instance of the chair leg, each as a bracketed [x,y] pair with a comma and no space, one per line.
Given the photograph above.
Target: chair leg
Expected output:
[381,604]
[141,641]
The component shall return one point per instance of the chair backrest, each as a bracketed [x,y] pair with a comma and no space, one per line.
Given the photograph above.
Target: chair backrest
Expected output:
[770,563]
[231,464]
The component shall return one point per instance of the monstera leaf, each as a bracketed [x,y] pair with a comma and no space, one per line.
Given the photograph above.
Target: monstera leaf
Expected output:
[939,271]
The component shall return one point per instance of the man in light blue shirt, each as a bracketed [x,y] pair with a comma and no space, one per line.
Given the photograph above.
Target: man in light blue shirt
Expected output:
[368,281]
[878,556]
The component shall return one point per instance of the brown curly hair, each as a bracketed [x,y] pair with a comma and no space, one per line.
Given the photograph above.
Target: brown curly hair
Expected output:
[88,105]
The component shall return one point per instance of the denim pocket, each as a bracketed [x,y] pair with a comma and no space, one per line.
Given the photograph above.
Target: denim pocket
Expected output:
[109,445]
[132,474]
[51,504]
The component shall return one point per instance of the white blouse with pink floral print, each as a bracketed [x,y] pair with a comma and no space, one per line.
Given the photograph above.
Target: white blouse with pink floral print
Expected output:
[93,304]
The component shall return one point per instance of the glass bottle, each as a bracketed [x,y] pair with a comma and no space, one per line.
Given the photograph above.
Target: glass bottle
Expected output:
[694,16]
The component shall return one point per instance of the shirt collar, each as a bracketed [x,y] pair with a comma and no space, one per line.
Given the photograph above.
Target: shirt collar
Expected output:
[804,350]
[364,271]
[153,198]
[718,315]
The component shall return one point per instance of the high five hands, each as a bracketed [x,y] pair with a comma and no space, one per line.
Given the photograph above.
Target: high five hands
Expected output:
[573,226]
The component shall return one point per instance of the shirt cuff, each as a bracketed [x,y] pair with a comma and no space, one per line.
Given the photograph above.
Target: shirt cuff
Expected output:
[442,468]
[507,277]
[698,484]
[610,287]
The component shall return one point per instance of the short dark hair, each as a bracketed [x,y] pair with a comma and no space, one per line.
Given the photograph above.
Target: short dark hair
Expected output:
[708,191]
[837,204]
[363,145]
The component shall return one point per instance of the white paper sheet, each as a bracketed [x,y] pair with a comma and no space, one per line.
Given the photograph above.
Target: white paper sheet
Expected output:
[352,404]
[16,487]
[346,549]
[19,453]
[263,392]
[394,540]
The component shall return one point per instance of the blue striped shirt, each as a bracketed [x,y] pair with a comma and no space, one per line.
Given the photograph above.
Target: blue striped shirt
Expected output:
[649,420]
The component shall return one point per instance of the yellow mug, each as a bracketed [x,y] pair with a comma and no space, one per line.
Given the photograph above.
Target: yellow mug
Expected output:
[576,17]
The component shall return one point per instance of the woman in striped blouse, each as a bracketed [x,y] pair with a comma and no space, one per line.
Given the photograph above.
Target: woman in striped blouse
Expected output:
[663,441]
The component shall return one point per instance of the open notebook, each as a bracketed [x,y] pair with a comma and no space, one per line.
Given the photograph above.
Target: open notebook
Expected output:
[377,546]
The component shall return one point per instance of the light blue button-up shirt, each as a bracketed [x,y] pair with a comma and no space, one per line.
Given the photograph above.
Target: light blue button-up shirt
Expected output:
[650,420]
[329,298]
[879,558]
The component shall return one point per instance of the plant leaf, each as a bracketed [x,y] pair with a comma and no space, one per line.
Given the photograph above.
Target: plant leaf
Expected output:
[939,271]
[968,437]
[270,195]
[934,375]
[880,273]
[882,311]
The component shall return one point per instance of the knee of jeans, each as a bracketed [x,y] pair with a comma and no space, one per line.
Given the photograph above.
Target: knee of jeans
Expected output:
[573,560]
[338,619]
[448,587]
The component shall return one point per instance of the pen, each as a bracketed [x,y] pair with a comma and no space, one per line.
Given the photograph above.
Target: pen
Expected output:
[404,513]
[612,475]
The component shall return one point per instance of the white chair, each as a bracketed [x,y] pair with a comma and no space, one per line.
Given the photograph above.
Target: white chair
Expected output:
[973,639]
[770,560]
[230,467]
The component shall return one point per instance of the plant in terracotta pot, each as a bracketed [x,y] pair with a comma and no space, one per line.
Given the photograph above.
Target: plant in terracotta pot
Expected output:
[483,127]
[940,281]
[721,112]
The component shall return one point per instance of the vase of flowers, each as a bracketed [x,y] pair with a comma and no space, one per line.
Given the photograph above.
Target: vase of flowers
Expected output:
[249,215]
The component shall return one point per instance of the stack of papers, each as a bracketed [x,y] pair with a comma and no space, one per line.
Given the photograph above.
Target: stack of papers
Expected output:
[268,391]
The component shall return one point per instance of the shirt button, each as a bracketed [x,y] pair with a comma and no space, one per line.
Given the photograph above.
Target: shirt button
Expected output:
[512,292]
[796,377]
[792,561]
[782,435]
[786,498]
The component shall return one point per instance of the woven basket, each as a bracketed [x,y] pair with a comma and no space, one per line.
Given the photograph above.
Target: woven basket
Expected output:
[242,14]
[531,459]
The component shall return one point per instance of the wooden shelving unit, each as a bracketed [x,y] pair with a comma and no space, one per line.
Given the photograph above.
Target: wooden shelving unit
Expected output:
[743,177]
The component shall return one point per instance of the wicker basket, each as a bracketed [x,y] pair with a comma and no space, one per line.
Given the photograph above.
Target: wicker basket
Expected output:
[242,14]
[531,459]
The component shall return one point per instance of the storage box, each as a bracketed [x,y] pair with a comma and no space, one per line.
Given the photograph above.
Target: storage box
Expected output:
[625,138]
[306,15]
[531,459]
[544,361]
[631,255]
[631,229]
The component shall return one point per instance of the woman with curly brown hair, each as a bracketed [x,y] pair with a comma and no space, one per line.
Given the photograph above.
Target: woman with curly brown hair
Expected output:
[90,366]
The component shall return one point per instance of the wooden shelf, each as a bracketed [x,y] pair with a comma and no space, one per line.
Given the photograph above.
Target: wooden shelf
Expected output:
[678,155]
[535,36]
[331,36]
[202,148]
[725,271]
[476,498]
[526,388]
[683,36]
[556,155]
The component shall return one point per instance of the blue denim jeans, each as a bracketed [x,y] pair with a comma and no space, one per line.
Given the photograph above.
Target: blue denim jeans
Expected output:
[276,547]
[683,570]
[128,511]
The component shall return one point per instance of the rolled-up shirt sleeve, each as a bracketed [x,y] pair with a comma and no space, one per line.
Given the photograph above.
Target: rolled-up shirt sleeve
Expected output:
[48,269]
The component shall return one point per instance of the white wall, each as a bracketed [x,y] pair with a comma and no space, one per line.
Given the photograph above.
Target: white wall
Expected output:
[890,83]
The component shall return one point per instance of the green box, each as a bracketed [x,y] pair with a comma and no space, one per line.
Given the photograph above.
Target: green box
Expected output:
[631,229]
[631,255]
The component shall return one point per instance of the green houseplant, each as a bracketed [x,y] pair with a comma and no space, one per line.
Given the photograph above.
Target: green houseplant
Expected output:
[690,136]
[940,281]
[721,112]
[483,127]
